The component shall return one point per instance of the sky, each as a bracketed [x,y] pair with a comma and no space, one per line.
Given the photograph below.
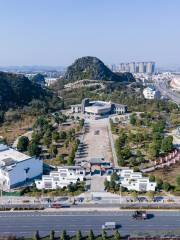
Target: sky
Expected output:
[56,32]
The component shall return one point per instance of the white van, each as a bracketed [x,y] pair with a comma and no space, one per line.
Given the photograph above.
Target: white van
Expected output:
[109,226]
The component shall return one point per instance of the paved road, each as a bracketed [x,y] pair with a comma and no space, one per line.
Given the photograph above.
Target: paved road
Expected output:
[167,91]
[24,223]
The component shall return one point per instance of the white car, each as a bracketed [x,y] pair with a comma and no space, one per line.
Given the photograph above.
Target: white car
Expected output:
[109,226]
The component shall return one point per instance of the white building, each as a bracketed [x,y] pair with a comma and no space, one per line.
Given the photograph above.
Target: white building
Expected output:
[134,181]
[63,177]
[151,93]
[17,168]
[98,108]
[175,83]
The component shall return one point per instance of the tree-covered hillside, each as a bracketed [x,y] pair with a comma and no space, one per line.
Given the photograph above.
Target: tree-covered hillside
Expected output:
[93,68]
[17,90]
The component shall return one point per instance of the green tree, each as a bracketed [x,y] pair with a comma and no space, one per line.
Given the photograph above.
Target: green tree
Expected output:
[91,235]
[46,141]
[152,178]
[167,144]
[103,235]
[134,195]
[114,177]
[63,235]
[40,123]
[178,181]
[55,136]
[150,195]
[81,122]
[36,235]
[51,235]
[38,79]
[34,149]
[116,235]
[166,186]
[62,135]
[133,119]
[153,150]
[1,117]
[159,183]
[106,184]
[78,235]
[23,143]
[53,150]
[158,126]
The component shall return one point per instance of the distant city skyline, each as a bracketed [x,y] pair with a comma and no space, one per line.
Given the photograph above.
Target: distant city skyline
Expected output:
[55,33]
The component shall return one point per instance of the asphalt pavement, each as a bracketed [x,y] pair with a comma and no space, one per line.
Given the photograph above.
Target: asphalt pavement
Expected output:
[25,223]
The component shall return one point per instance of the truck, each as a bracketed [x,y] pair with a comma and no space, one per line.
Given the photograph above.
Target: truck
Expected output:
[109,226]
[139,215]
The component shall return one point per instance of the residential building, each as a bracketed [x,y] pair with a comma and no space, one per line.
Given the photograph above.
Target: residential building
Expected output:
[62,177]
[118,108]
[141,67]
[151,93]
[137,67]
[76,108]
[132,67]
[16,168]
[150,67]
[134,181]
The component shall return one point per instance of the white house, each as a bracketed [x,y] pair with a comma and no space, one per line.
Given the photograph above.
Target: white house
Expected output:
[134,180]
[151,93]
[17,168]
[61,178]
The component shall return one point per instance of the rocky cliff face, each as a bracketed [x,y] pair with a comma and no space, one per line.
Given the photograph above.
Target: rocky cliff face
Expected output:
[93,68]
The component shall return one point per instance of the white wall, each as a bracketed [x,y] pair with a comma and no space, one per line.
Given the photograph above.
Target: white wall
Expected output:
[18,174]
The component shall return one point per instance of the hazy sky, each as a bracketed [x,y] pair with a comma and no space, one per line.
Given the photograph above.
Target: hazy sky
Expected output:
[55,32]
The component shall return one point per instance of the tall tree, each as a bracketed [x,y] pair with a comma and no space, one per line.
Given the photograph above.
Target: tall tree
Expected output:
[91,235]
[78,235]
[23,143]
[117,235]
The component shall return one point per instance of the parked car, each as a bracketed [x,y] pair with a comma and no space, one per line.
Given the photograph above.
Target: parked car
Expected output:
[56,205]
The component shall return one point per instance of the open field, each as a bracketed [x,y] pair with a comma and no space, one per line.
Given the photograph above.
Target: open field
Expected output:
[10,131]
[168,174]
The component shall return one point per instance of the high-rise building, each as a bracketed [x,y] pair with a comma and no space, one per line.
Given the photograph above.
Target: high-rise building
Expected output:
[127,68]
[141,67]
[132,67]
[150,67]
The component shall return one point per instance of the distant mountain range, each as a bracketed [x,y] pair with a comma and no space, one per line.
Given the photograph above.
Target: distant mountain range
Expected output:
[36,68]
[94,69]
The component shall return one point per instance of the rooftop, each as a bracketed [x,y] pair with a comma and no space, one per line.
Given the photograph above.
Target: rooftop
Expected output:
[7,153]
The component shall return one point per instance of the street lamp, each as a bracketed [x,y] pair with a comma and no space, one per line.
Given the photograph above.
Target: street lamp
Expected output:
[120,200]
